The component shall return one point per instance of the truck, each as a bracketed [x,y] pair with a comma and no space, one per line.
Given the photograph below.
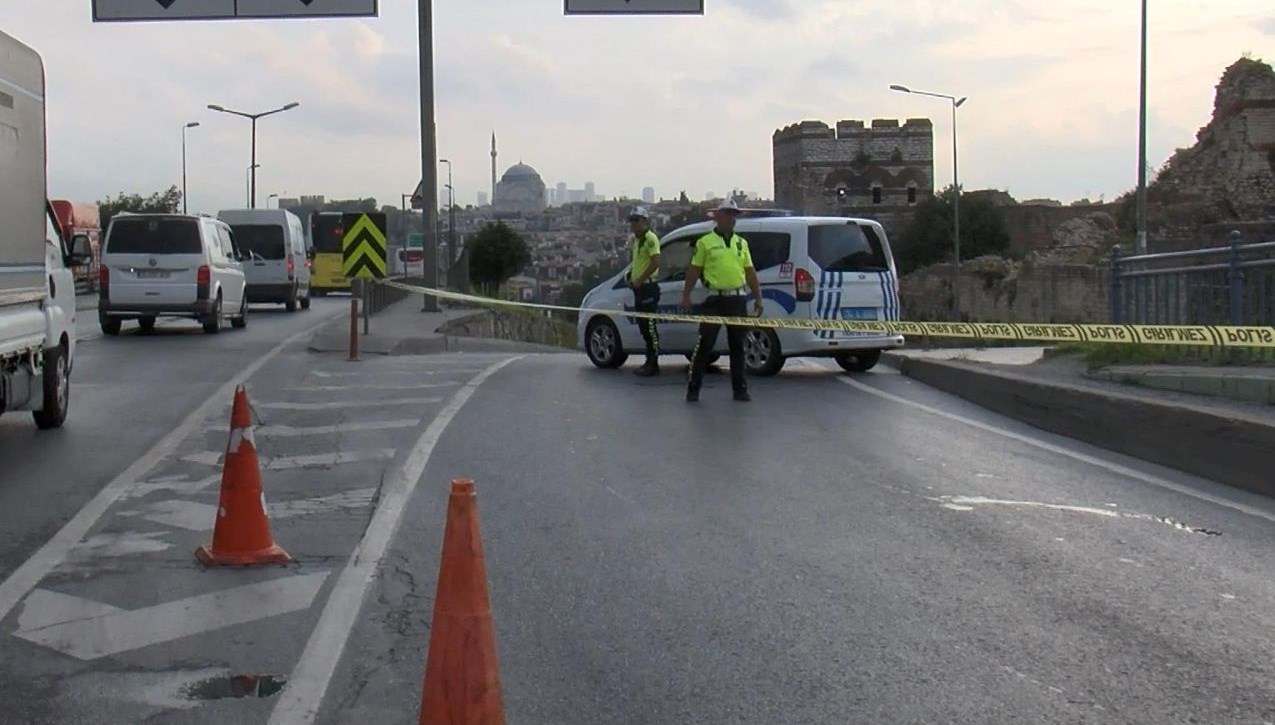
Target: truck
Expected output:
[81,226]
[37,287]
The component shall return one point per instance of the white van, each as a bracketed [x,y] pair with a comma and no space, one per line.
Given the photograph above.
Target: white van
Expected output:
[808,267]
[274,241]
[170,265]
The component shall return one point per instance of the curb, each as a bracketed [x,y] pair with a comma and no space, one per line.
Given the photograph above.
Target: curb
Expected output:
[1230,449]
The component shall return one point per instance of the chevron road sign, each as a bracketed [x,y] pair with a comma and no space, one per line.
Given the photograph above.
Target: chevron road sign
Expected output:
[105,11]
[364,246]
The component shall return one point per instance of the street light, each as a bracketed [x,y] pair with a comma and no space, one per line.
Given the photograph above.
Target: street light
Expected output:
[1140,243]
[252,193]
[956,199]
[451,213]
[192,124]
[250,177]
[272,196]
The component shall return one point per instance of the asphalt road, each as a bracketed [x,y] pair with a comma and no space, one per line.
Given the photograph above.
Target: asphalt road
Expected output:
[842,549]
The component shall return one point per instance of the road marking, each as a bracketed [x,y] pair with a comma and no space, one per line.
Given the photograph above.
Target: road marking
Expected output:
[196,516]
[54,552]
[127,543]
[88,630]
[288,431]
[286,463]
[341,404]
[381,373]
[370,386]
[177,484]
[1052,448]
[299,703]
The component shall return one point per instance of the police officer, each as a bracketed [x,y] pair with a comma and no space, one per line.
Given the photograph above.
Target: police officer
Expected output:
[646,292]
[723,261]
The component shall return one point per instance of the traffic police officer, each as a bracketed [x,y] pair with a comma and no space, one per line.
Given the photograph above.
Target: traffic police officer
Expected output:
[723,261]
[646,291]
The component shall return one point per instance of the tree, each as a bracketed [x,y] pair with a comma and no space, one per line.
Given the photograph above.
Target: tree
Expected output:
[496,253]
[160,202]
[929,239]
[697,213]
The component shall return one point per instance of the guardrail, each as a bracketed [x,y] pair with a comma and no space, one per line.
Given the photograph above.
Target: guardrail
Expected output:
[1232,285]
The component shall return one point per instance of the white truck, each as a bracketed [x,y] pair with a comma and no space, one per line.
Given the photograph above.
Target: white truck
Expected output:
[37,287]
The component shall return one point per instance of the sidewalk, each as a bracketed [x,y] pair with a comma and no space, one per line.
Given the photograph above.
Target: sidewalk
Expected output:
[1185,427]
[403,329]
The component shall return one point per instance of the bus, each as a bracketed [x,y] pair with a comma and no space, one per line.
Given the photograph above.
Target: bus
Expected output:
[326,232]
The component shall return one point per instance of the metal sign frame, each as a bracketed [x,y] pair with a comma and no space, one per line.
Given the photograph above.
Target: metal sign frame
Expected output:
[130,11]
[614,7]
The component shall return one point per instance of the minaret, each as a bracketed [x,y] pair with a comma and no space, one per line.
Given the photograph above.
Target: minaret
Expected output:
[493,168]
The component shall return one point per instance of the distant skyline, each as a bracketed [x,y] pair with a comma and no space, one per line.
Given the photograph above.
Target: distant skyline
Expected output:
[624,102]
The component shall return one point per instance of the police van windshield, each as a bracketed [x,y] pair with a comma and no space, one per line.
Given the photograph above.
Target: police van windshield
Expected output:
[263,240]
[154,236]
[846,248]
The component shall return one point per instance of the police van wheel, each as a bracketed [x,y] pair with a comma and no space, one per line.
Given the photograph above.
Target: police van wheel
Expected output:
[762,355]
[602,344]
[859,361]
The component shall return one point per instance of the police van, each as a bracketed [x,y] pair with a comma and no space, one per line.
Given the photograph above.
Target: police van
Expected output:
[809,268]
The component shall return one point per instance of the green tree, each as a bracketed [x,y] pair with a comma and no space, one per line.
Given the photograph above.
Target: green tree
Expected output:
[160,202]
[496,253]
[929,238]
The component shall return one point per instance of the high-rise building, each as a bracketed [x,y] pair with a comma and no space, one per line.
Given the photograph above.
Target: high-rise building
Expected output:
[561,195]
[590,193]
[648,195]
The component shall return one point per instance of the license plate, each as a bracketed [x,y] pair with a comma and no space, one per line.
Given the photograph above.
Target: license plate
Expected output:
[152,274]
[858,313]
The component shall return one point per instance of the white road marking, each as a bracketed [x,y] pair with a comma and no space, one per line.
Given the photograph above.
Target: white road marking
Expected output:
[370,386]
[288,431]
[381,373]
[177,484]
[1074,455]
[127,543]
[342,404]
[54,552]
[299,703]
[196,516]
[285,463]
[92,630]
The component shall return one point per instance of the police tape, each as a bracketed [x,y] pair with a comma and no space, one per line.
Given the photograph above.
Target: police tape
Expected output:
[1236,336]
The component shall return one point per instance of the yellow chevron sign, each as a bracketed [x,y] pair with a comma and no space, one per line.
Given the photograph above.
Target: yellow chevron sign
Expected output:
[363,246]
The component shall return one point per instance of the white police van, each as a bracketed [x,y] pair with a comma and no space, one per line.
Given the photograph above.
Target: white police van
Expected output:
[808,267]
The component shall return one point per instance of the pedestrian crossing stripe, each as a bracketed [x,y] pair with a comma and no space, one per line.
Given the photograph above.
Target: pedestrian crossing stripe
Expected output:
[363,246]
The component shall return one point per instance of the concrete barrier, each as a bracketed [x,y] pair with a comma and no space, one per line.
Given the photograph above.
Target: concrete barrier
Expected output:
[1227,448]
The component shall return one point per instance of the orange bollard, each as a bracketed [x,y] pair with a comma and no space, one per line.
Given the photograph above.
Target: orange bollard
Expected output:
[241,534]
[462,673]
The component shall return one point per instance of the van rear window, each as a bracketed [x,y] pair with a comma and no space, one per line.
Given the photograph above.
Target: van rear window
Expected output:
[266,240]
[154,236]
[845,248]
[768,249]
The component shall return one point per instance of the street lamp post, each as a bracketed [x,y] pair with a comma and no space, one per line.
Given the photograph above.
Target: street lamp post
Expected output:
[1140,244]
[451,213]
[956,199]
[252,193]
[250,177]
[192,124]
[272,196]
[429,150]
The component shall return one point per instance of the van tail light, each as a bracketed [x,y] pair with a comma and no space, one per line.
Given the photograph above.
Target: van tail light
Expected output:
[805,283]
[203,280]
[104,282]
[292,269]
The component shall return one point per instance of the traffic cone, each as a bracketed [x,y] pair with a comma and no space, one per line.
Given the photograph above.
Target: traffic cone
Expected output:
[462,674]
[241,536]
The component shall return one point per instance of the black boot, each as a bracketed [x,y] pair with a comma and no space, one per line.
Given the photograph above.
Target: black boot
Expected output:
[649,369]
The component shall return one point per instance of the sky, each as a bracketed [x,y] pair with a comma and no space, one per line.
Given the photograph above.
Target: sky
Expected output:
[673,102]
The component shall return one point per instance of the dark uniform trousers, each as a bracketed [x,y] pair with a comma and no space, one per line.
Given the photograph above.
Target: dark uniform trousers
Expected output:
[647,299]
[722,306]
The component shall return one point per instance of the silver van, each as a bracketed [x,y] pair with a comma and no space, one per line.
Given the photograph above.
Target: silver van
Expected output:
[276,267]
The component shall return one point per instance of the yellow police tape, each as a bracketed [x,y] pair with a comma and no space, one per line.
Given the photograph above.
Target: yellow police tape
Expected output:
[1185,335]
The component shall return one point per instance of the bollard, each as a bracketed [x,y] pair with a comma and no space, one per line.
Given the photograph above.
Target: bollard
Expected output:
[1235,277]
[354,328]
[367,312]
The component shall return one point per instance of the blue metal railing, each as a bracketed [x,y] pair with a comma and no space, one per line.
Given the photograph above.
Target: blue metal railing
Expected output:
[1232,285]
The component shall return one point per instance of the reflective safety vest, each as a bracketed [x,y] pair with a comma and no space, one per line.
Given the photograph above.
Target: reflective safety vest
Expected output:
[723,263]
[643,249]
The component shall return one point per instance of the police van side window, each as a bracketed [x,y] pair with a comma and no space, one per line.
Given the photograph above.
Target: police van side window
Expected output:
[845,248]
[768,249]
[675,256]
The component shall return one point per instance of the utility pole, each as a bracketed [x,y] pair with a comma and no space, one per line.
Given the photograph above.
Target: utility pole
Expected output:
[1140,244]
[429,153]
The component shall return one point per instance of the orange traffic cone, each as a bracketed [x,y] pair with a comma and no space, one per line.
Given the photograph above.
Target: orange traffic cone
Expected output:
[241,535]
[462,675]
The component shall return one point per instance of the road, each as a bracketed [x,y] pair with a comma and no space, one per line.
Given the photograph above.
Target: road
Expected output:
[842,549]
